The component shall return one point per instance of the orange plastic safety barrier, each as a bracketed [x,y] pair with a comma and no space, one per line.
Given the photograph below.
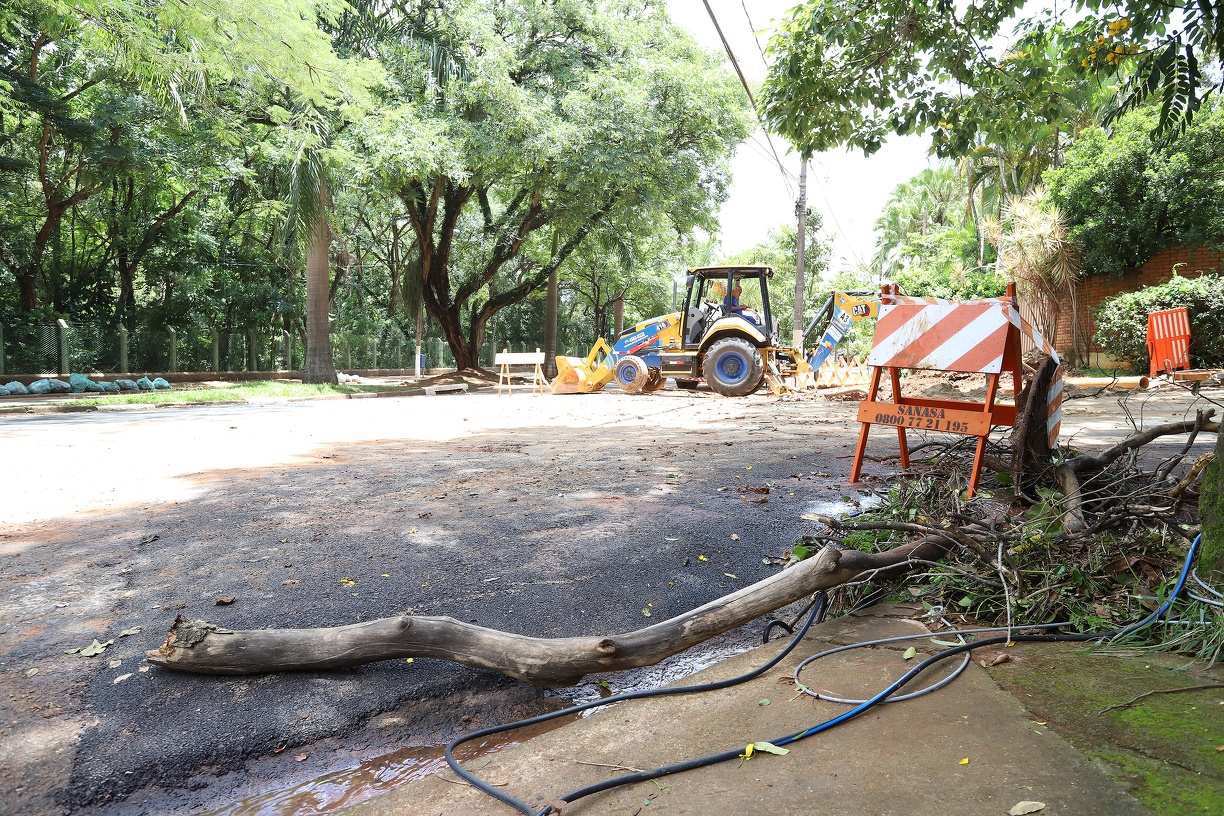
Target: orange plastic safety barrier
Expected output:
[1168,340]
[840,372]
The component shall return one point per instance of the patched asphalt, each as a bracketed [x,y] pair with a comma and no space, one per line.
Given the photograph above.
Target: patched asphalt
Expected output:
[542,530]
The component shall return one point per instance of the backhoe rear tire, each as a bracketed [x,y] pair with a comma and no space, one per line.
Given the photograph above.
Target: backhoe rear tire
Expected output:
[631,374]
[733,367]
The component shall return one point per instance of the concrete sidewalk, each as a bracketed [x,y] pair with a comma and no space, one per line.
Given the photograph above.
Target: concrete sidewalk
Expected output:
[905,758]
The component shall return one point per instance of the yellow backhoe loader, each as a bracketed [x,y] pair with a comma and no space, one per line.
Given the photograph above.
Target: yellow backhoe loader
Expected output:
[726,335]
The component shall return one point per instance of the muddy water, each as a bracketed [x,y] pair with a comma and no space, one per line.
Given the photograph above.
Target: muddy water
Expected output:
[344,788]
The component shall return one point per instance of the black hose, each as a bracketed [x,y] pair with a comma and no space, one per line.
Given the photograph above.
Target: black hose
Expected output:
[769,627]
[712,759]
[816,616]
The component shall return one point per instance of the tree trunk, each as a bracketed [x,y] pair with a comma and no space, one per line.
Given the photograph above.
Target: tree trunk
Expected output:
[1211,511]
[420,324]
[461,349]
[550,326]
[27,284]
[618,316]
[197,646]
[318,367]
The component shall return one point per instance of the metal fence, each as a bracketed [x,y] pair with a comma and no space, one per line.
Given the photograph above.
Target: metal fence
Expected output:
[50,349]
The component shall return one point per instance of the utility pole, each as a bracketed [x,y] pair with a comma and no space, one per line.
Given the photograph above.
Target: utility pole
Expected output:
[801,211]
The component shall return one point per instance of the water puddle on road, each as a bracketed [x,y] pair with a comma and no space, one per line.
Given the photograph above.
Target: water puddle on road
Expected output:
[841,506]
[344,788]
[670,670]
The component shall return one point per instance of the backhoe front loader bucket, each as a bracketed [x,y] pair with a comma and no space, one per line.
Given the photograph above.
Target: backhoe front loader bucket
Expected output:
[578,376]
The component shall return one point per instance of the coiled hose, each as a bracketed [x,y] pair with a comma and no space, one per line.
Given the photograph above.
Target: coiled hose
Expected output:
[817,613]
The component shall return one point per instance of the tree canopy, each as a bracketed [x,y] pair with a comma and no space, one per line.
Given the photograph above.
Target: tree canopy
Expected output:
[1126,195]
[851,73]
[569,120]
[152,156]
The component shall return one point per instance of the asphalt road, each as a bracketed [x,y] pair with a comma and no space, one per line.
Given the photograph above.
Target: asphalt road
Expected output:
[547,516]
[544,516]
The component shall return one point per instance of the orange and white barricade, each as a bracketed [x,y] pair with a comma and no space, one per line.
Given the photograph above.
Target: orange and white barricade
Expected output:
[975,336]
[838,372]
[1168,340]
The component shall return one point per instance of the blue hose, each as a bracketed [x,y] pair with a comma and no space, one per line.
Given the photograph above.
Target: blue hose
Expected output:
[734,753]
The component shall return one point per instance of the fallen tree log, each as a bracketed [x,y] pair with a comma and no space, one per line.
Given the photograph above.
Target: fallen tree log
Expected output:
[201,647]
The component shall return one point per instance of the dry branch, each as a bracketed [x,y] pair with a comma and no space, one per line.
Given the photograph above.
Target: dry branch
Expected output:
[1086,463]
[197,646]
[1132,701]
[1075,473]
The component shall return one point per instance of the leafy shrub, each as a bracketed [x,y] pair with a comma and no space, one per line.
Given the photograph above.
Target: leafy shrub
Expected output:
[1121,322]
[1125,195]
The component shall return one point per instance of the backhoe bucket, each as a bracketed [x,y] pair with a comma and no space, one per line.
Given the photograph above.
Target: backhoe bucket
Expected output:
[578,376]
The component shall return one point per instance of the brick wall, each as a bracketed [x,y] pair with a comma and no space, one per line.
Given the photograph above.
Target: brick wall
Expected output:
[1093,289]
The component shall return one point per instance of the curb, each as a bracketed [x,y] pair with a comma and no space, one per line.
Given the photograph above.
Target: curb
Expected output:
[48,408]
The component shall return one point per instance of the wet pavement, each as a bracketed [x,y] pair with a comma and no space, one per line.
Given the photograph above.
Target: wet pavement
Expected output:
[968,749]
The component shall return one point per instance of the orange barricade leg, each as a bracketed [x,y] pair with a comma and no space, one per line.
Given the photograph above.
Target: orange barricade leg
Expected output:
[857,467]
[992,386]
[895,380]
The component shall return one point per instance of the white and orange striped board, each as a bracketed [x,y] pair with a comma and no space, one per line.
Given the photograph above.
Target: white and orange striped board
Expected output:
[978,336]
[969,336]
[966,336]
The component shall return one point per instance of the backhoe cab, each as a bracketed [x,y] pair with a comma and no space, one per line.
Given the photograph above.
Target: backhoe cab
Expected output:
[725,334]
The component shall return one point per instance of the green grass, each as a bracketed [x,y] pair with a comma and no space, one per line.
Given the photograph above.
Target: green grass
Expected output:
[1093,371]
[1163,748]
[259,389]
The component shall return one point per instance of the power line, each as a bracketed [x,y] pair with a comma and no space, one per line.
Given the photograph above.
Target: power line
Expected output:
[832,213]
[836,223]
[747,90]
[752,28]
[763,151]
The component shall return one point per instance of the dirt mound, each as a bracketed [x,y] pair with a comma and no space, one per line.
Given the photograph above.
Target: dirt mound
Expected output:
[475,378]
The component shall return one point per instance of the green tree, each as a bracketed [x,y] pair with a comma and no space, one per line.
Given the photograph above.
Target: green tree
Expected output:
[779,250]
[1125,196]
[852,73]
[308,205]
[931,202]
[147,109]
[570,118]
[1037,253]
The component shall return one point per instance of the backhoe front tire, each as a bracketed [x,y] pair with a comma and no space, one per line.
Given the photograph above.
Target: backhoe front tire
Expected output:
[631,374]
[733,367]
[655,381]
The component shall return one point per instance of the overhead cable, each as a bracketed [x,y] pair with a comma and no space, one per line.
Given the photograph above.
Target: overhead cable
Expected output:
[748,91]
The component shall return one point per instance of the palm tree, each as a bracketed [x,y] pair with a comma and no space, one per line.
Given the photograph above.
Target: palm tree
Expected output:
[308,219]
[1036,252]
[924,204]
[357,31]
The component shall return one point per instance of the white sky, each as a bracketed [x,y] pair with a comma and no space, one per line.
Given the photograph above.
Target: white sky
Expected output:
[847,189]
